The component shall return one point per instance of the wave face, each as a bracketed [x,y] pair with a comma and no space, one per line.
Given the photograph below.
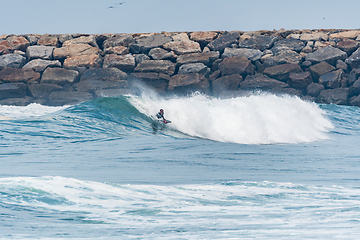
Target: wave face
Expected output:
[257,119]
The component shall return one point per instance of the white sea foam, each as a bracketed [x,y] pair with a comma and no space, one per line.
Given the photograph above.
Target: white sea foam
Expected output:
[256,119]
[31,110]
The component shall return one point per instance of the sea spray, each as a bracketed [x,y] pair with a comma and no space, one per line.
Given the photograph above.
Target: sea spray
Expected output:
[256,119]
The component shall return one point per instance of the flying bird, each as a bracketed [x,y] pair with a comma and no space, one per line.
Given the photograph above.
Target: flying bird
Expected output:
[121,3]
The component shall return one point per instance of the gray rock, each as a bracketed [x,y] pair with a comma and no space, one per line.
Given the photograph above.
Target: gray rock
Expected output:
[161,54]
[300,80]
[65,37]
[231,82]
[336,96]
[287,56]
[261,82]
[355,88]
[12,60]
[341,65]
[59,76]
[140,57]
[183,47]
[290,44]
[143,45]
[251,54]
[186,83]
[12,90]
[123,40]
[260,42]
[125,63]
[206,58]
[282,72]
[157,81]
[314,89]
[224,41]
[355,101]
[159,66]
[24,101]
[236,65]
[39,65]
[103,74]
[328,54]
[194,68]
[348,45]
[321,68]
[331,79]
[68,98]
[354,59]
[43,90]
[93,85]
[43,52]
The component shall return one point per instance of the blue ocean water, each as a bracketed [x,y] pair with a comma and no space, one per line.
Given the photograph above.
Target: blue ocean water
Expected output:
[261,166]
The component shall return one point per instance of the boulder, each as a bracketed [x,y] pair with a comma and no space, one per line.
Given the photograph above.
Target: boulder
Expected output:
[321,68]
[140,57]
[159,66]
[353,75]
[5,47]
[355,101]
[144,44]
[48,40]
[12,60]
[282,72]
[260,42]
[336,96]
[180,37]
[317,36]
[65,37]
[68,98]
[93,85]
[206,58]
[183,47]
[32,38]
[18,43]
[59,76]
[328,54]
[18,75]
[88,61]
[224,41]
[341,65]
[299,80]
[82,40]
[203,38]
[119,50]
[23,101]
[286,56]
[194,68]
[103,74]
[236,65]
[346,34]
[74,50]
[331,79]
[261,82]
[251,54]
[124,40]
[355,88]
[43,90]
[161,54]
[354,59]
[314,89]
[158,81]
[39,65]
[185,83]
[12,90]
[230,82]
[289,44]
[348,45]
[43,52]
[125,63]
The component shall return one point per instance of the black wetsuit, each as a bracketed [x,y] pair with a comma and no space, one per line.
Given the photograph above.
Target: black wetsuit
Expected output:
[160,115]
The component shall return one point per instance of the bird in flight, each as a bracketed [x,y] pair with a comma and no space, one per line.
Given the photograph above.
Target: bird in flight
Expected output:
[120,3]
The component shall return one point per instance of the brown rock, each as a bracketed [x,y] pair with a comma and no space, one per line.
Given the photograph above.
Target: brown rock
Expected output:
[159,66]
[5,47]
[161,54]
[348,45]
[88,61]
[336,96]
[10,75]
[125,63]
[18,43]
[183,47]
[43,90]
[103,74]
[184,83]
[332,79]
[206,58]
[59,76]
[48,40]
[299,80]
[236,65]
[82,40]
[202,36]
[282,72]
[231,82]
[121,40]
[12,90]
[158,81]
[314,89]
[120,50]
[74,50]
[321,68]
[261,81]
[347,34]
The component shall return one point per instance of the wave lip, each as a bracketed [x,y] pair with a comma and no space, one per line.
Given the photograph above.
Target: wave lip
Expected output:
[256,119]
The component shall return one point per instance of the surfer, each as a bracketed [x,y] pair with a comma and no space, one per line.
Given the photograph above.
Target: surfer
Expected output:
[160,115]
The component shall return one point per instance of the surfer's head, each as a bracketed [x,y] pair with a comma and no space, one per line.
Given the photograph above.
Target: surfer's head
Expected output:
[161,110]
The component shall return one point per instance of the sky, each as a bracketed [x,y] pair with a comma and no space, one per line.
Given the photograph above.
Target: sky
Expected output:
[142,16]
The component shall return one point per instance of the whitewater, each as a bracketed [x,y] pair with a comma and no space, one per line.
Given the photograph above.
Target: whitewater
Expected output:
[261,166]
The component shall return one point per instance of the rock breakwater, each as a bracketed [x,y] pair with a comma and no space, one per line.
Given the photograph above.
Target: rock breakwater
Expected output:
[318,65]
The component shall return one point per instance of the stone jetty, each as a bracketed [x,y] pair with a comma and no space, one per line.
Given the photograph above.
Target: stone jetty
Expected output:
[320,65]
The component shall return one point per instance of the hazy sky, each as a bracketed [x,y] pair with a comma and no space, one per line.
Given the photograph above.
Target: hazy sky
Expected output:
[133,16]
